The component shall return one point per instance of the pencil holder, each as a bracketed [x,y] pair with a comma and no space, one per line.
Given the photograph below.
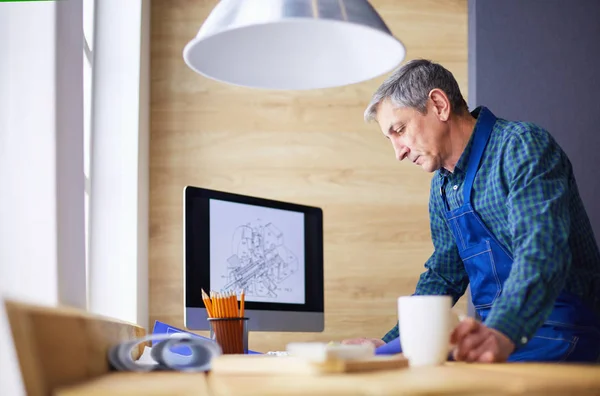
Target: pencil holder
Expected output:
[230,333]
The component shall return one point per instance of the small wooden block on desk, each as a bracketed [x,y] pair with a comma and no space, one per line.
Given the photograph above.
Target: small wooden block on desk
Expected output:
[270,365]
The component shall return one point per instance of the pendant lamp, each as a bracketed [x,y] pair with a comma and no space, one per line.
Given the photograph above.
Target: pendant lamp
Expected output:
[293,44]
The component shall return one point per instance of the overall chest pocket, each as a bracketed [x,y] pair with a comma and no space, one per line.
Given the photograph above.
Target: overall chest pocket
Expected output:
[483,275]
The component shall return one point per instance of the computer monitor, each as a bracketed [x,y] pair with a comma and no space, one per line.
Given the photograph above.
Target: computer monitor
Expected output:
[272,250]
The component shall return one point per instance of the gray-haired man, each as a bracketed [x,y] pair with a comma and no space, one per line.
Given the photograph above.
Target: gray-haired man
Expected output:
[505,217]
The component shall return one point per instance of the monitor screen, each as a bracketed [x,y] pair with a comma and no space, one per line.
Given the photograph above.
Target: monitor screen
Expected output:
[271,250]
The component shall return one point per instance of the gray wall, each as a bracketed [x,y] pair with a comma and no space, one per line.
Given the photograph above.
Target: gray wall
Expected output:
[539,61]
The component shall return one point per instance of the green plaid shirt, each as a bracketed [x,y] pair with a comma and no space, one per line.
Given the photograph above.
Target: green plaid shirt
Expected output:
[526,195]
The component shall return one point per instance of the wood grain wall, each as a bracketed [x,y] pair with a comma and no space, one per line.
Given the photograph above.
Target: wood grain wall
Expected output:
[312,148]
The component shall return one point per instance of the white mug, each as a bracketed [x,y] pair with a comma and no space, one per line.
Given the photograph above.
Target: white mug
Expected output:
[425,324]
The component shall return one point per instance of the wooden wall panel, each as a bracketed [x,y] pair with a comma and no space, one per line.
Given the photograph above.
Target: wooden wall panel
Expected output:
[307,147]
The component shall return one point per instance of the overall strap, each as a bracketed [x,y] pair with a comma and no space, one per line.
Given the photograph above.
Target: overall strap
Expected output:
[483,130]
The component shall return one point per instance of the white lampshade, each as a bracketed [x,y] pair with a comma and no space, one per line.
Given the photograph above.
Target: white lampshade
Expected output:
[293,44]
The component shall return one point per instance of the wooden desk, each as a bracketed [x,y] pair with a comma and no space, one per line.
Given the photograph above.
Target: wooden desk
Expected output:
[451,379]
[147,384]
[63,352]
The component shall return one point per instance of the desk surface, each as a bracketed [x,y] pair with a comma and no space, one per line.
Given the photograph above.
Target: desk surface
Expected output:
[450,379]
[71,347]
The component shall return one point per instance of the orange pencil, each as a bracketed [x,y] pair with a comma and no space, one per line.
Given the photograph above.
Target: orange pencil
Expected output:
[232,326]
[241,313]
[242,305]
[215,314]
[232,304]
[226,303]
[219,326]
[207,303]
[228,337]
[214,304]
[226,326]
[220,305]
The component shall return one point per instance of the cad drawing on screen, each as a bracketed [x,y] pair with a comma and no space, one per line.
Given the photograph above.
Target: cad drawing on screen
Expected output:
[260,260]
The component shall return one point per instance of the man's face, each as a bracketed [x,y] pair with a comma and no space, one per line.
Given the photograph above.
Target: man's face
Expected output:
[414,136]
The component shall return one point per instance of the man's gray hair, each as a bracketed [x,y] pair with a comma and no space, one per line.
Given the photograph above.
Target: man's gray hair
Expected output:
[409,86]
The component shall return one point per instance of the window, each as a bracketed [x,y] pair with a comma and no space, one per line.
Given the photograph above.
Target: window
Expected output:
[88,62]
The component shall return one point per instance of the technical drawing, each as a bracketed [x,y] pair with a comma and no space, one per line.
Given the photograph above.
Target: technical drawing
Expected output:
[260,261]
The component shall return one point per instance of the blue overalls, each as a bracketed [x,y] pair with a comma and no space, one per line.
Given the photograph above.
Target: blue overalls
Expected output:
[570,333]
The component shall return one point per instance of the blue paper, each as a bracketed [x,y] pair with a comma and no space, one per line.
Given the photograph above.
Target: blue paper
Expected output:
[391,348]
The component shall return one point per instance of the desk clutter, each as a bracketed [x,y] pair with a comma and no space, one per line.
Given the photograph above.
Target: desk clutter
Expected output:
[174,349]
[226,350]
[310,358]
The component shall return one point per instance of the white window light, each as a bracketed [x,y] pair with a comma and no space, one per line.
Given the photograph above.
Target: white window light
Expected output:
[88,61]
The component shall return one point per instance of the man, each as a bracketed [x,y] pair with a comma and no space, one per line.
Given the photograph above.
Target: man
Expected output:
[505,217]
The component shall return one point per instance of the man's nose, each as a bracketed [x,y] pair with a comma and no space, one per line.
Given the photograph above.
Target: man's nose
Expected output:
[401,151]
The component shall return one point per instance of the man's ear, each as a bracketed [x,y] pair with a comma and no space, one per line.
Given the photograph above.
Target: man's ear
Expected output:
[440,104]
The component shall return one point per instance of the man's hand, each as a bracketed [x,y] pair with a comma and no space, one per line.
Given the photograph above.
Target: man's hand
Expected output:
[375,341]
[475,342]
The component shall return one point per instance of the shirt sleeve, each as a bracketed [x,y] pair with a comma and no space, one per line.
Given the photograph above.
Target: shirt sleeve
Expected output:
[444,273]
[537,178]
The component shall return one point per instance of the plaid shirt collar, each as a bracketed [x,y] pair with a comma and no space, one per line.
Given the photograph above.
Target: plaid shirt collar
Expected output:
[461,165]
